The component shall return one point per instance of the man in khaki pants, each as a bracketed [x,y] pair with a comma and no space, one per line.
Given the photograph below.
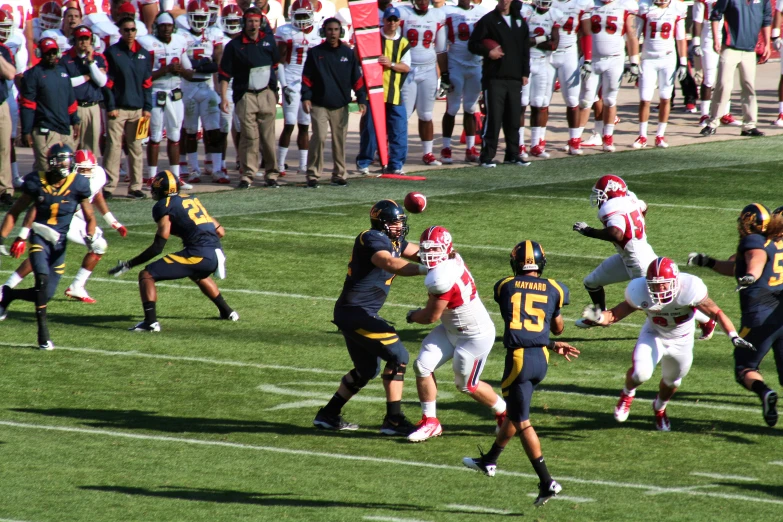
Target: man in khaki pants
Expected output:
[331,70]
[251,59]
[7,72]
[130,81]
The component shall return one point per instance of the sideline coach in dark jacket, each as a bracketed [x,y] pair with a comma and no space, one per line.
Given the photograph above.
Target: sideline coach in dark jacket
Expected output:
[505,70]
[331,70]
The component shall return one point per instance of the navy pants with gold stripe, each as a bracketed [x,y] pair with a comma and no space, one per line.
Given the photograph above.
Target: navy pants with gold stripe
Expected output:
[49,260]
[765,337]
[525,368]
[195,263]
[369,339]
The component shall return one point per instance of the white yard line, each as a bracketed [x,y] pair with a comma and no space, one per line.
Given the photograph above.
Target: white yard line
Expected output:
[577,500]
[676,404]
[723,477]
[478,509]
[318,213]
[392,519]
[666,205]
[776,462]
[374,460]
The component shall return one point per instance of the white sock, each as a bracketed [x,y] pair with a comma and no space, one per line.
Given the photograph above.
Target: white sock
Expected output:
[174,170]
[542,134]
[630,393]
[573,133]
[193,160]
[427,145]
[81,278]
[15,166]
[643,128]
[609,130]
[535,136]
[428,409]
[705,107]
[521,135]
[579,131]
[780,110]
[700,317]
[217,160]
[599,128]
[282,152]
[152,172]
[661,128]
[446,142]
[470,141]
[659,405]
[207,163]
[500,405]
[13,280]
[303,160]
[728,107]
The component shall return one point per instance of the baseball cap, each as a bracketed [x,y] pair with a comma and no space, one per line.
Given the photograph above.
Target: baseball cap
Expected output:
[82,32]
[127,8]
[391,11]
[47,44]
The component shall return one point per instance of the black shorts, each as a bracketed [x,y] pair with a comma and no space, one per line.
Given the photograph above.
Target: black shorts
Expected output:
[525,368]
[195,263]
[369,339]
[765,337]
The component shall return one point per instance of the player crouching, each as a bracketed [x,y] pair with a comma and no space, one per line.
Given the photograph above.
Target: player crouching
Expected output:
[185,217]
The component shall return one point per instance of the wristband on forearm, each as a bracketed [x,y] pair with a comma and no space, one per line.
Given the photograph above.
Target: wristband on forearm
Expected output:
[24,233]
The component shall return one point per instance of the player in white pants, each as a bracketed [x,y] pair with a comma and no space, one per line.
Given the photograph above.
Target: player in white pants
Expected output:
[86,166]
[15,42]
[465,336]
[231,22]
[664,39]
[670,300]
[777,42]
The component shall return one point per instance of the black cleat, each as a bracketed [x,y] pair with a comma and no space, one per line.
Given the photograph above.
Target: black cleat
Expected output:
[243,185]
[769,407]
[333,422]
[272,183]
[398,426]
[312,183]
[479,465]
[136,194]
[754,132]
[338,181]
[544,494]
[708,131]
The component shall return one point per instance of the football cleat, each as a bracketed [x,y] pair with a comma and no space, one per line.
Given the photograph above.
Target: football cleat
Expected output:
[544,494]
[79,294]
[660,142]
[445,156]
[233,316]
[769,407]
[574,146]
[728,119]
[776,123]
[707,330]
[472,155]
[523,152]
[479,465]
[593,141]
[608,143]
[186,186]
[333,422]
[520,161]
[587,323]
[708,131]
[48,346]
[222,178]
[661,419]
[617,120]
[429,159]
[539,151]
[399,426]
[690,108]
[704,120]
[427,428]
[640,143]
[623,407]
[489,165]
[144,327]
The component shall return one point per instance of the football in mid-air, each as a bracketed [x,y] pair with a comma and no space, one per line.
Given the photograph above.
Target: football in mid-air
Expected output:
[415,202]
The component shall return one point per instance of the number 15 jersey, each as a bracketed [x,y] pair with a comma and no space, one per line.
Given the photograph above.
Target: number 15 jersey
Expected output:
[627,214]
[528,304]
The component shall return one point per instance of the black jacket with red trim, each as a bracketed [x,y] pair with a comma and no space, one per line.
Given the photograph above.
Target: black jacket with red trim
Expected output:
[88,92]
[47,100]
[9,57]
[329,75]
[130,77]
[242,54]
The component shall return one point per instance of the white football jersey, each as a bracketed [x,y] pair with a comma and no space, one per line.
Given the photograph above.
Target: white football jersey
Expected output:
[97,181]
[274,14]
[298,43]
[17,45]
[661,27]
[62,42]
[459,27]
[627,214]
[572,14]
[21,10]
[701,13]
[465,314]
[323,9]
[607,24]
[672,320]
[202,46]
[164,54]
[424,33]
[540,24]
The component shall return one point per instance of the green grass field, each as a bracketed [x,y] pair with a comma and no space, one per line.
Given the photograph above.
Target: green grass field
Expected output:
[211,421]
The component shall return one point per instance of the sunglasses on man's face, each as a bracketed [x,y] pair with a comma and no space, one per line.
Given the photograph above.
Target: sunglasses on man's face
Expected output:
[392,20]
[129,30]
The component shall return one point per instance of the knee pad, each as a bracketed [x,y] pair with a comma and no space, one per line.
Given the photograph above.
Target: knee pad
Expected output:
[99,246]
[585,104]
[397,374]
[610,100]
[358,382]
[641,376]
[425,116]
[41,282]
[175,134]
[461,382]
[420,370]
[673,384]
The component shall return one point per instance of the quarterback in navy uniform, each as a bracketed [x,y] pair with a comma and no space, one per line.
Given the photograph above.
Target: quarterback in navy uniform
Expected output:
[185,217]
[756,266]
[530,306]
[376,260]
[56,194]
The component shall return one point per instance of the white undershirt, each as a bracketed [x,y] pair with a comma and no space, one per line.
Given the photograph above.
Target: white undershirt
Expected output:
[507,18]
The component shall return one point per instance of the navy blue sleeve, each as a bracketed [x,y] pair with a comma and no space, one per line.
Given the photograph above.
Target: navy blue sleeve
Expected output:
[159,210]
[31,185]
[72,106]
[752,242]
[309,75]
[766,20]
[376,241]
[147,85]
[357,81]
[226,67]
[81,188]
[108,94]
[27,100]
[718,9]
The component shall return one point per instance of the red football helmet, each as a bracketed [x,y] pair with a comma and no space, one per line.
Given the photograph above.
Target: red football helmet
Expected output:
[606,188]
[85,162]
[302,14]
[663,281]
[50,16]
[231,19]
[6,25]
[198,15]
[214,11]
[435,246]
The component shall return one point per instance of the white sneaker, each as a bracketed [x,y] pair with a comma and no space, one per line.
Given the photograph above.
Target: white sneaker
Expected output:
[778,123]
[640,143]
[623,408]
[427,428]
[18,181]
[48,346]
[587,323]
[233,316]
[593,141]
[80,294]
[479,465]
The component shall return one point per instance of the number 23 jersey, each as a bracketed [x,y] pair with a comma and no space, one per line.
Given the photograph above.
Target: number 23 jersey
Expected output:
[528,304]
[672,320]
[189,221]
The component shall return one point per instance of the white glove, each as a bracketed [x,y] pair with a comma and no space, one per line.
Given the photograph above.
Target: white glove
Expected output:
[581,227]
[777,43]
[633,73]
[121,268]
[682,72]
[745,281]
[739,342]
[4,251]
[698,51]
[697,259]
[586,70]
[593,313]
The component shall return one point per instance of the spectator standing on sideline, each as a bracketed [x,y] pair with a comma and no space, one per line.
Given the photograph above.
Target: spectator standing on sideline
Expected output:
[48,105]
[130,98]
[87,70]
[331,70]
[504,72]
[251,59]
[396,62]
[7,72]
[742,22]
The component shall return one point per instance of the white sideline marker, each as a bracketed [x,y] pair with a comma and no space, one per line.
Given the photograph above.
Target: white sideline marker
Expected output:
[723,477]
[479,509]
[577,500]
[776,462]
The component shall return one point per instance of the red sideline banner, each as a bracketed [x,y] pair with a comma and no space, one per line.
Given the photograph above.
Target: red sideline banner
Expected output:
[367,36]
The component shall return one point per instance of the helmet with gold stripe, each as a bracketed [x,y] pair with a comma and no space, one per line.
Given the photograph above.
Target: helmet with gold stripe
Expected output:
[528,256]
[754,219]
[164,184]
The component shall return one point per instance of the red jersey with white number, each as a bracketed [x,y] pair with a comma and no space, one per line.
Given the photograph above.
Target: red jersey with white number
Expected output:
[459,27]
[164,54]
[540,24]
[607,23]
[297,43]
[627,214]
[465,314]
[661,27]
[21,10]
[569,26]
[672,320]
[424,33]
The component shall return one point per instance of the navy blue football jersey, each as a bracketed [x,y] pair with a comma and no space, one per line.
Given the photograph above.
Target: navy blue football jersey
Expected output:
[189,220]
[761,298]
[55,206]
[366,285]
[528,305]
